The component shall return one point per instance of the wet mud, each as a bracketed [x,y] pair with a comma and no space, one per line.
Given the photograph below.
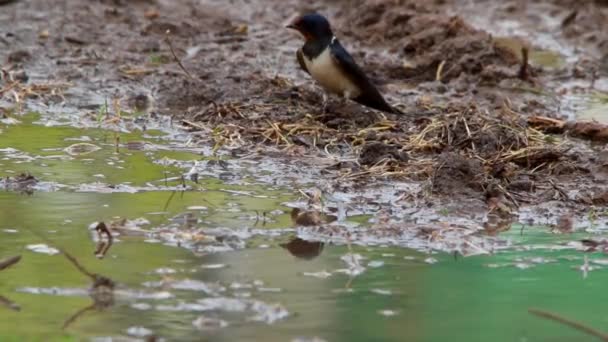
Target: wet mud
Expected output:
[465,145]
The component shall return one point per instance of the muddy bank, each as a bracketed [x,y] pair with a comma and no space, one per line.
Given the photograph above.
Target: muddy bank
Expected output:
[464,146]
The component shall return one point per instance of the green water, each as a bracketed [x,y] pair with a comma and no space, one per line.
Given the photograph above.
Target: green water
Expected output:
[596,109]
[545,58]
[464,299]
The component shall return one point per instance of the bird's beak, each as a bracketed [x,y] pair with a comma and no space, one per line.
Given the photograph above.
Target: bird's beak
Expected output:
[292,26]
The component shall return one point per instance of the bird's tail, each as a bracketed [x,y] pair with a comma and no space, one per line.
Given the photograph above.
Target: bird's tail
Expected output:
[395,110]
[376,101]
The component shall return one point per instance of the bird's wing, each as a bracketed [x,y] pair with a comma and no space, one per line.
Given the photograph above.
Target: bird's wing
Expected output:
[349,68]
[300,55]
[370,96]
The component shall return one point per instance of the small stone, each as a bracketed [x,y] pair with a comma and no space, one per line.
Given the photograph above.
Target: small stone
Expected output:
[19,56]
[208,323]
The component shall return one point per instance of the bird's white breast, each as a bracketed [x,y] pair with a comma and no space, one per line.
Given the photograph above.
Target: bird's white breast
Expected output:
[329,75]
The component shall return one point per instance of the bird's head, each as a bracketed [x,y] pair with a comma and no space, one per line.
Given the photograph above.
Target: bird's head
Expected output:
[312,26]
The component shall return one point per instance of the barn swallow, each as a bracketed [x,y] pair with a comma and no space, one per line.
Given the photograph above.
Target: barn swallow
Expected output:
[310,218]
[328,62]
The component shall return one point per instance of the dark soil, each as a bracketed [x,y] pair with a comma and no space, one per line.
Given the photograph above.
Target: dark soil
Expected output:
[467,96]
[426,37]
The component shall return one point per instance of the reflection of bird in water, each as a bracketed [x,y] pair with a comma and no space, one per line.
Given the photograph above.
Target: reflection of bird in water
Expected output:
[303,249]
[310,218]
[565,223]
[102,294]
[6,263]
[499,218]
[101,291]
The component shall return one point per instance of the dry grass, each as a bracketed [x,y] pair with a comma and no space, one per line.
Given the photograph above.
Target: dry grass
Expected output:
[494,139]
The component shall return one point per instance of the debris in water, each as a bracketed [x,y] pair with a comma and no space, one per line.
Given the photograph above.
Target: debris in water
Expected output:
[431,260]
[53,291]
[4,264]
[42,248]
[388,313]
[594,245]
[270,289]
[208,323]
[353,261]
[268,313]
[103,245]
[197,207]
[139,331]
[237,285]
[127,227]
[308,339]
[186,307]
[213,266]
[141,306]
[523,265]
[585,268]
[375,263]
[382,292]
[165,270]
[573,324]
[242,294]
[8,262]
[262,312]
[9,304]
[23,183]
[80,149]
[601,262]
[197,285]
[321,274]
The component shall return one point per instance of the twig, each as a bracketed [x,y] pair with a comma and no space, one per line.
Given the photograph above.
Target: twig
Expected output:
[524,72]
[103,246]
[75,262]
[569,19]
[68,256]
[439,71]
[562,193]
[9,303]
[76,315]
[177,60]
[476,247]
[573,324]
[257,218]
[8,262]
[193,124]
[169,201]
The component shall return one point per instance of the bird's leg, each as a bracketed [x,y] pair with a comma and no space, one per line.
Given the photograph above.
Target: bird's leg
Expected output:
[325,102]
[344,99]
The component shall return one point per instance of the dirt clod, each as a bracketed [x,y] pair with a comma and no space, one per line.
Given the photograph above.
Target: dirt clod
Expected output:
[376,152]
[456,170]
[427,40]
[19,56]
